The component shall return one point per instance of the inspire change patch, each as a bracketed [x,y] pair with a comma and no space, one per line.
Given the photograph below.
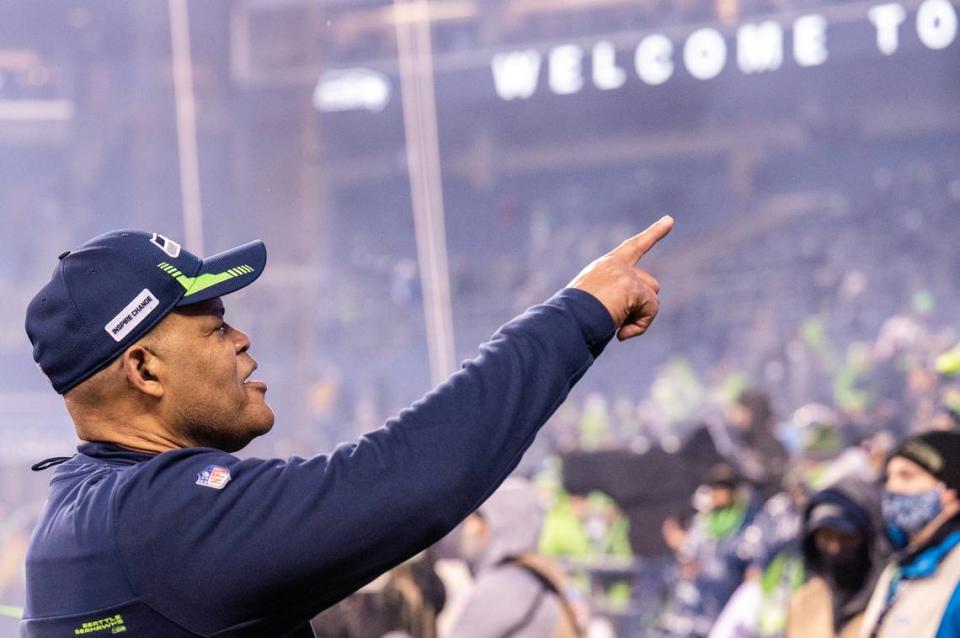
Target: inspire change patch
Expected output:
[131,316]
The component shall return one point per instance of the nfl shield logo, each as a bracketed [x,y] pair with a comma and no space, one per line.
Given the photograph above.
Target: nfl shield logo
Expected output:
[215,476]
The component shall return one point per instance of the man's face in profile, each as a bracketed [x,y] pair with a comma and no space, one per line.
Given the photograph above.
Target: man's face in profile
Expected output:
[207,387]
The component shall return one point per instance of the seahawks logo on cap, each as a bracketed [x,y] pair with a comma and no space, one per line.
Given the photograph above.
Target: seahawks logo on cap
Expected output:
[166,244]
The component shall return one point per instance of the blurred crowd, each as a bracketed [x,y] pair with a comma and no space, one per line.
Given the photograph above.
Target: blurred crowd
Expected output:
[746,526]
[747,482]
[825,303]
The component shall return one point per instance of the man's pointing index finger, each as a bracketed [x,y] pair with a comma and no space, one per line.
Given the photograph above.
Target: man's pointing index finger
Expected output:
[637,246]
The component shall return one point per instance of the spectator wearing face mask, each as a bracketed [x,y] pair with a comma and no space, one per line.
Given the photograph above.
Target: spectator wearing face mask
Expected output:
[844,552]
[917,594]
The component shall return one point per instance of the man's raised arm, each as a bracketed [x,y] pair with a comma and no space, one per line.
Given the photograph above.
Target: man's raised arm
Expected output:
[312,531]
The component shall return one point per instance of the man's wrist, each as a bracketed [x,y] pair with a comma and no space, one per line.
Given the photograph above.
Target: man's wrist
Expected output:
[596,324]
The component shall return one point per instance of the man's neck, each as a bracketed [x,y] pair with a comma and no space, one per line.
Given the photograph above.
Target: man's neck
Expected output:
[139,444]
[922,537]
[131,424]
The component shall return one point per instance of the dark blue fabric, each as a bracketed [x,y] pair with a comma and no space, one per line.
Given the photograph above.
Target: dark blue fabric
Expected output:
[285,539]
[68,321]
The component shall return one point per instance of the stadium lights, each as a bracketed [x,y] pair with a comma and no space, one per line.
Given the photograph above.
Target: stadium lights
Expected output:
[352,90]
[36,110]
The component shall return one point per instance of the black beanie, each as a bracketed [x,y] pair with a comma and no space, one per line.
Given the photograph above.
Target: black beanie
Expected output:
[936,452]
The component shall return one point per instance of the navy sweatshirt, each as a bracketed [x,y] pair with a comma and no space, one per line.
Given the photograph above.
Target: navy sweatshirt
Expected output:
[197,542]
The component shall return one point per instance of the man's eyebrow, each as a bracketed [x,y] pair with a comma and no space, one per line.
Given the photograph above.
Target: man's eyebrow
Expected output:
[215,312]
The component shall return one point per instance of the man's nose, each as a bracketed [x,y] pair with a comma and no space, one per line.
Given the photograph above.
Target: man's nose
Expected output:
[241,340]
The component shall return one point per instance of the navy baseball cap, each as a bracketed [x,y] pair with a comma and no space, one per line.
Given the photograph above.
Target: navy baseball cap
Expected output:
[110,291]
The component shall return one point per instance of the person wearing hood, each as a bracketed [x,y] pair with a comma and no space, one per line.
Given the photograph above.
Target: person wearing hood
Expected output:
[918,595]
[759,455]
[516,591]
[843,554]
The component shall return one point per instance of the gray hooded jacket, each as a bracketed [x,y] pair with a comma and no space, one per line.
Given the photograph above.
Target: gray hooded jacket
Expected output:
[509,600]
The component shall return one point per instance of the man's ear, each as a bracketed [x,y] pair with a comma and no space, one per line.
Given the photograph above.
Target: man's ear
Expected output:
[141,368]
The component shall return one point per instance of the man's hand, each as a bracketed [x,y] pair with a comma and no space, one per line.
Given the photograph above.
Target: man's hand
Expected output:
[628,293]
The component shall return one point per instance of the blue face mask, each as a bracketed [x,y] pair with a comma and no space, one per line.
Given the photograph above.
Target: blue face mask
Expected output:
[906,514]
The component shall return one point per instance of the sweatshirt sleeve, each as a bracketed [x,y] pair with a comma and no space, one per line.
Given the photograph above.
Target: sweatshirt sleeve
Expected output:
[282,540]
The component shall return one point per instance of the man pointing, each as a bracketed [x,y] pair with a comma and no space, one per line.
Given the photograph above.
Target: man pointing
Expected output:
[155,529]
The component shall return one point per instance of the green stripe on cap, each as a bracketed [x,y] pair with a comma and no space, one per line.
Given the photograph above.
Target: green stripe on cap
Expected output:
[194,285]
